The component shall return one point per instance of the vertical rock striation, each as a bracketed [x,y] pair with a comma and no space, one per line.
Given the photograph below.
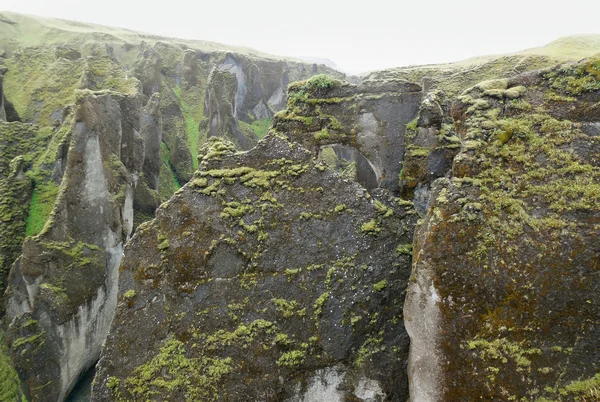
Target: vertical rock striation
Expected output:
[62,290]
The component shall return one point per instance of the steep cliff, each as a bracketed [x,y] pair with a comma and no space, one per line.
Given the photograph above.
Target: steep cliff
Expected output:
[70,187]
[505,263]
[62,290]
[146,103]
[267,277]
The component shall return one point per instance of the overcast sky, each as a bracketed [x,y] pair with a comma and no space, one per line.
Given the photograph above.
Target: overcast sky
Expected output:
[357,36]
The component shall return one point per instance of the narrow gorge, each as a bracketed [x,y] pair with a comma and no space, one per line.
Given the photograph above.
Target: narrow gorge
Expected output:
[195,222]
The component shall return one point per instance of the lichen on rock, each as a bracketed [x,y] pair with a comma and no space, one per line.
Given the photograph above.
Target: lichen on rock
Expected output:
[258,270]
[507,253]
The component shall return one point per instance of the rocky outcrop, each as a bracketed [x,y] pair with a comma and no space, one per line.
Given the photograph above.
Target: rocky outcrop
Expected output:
[62,290]
[363,124]
[221,108]
[267,277]
[241,90]
[505,270]
[430,143]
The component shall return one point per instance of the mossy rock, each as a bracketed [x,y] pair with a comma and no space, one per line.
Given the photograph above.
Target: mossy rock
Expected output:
[258,291]
[511,235]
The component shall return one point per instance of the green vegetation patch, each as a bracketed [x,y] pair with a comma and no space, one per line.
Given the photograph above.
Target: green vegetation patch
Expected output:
[10,385]
[171,371]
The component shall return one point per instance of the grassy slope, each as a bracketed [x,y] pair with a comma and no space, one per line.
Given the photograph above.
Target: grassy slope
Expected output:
[455,77]
[20,30]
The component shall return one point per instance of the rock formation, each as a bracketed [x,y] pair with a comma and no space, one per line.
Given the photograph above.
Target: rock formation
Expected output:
[276,268]
[62,290]
[506,261]
[98,151]
[267,277]
[363,124]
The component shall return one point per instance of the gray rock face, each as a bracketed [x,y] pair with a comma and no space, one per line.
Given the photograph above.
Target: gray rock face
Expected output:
[220,107]
[62,290]
[503,289]
[370,118]
[267,277]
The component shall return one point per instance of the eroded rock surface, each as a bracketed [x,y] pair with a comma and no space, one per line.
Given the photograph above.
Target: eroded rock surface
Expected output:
[506,261]
[267,277]
[62,290]
[363,124]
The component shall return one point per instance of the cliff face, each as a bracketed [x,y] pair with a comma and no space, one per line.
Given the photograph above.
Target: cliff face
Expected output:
[240,291]
[62,290]
[280,272]
[505,263]
[41,79]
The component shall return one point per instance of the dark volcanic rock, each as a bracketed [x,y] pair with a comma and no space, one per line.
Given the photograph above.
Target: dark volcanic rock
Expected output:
[502,305]
[369,118]
[267,277]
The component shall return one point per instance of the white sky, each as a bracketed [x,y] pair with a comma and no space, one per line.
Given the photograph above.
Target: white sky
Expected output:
[357,36]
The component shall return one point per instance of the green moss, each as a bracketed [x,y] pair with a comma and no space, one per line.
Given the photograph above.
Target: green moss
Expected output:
[411,129]
[163,242]
[28,340]
[322,135]
[371,346]
[171,372]
[285,307]
[415,151]
[235,210]
[383,210]
[130,294]
[40,207]
[371,227]
[113,383]
[340,208]
[381,285]
[318,305]
[76,254]
[405,249]
[241,336]
[502,350]
[292,358]
[10,385]
[56,289]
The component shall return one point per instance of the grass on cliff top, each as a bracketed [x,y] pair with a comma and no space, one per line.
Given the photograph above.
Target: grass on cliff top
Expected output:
[40,85]
[457,76]
[21,30]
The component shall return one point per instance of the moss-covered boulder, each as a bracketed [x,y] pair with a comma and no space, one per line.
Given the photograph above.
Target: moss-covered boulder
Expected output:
[267,277]
[502,301]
